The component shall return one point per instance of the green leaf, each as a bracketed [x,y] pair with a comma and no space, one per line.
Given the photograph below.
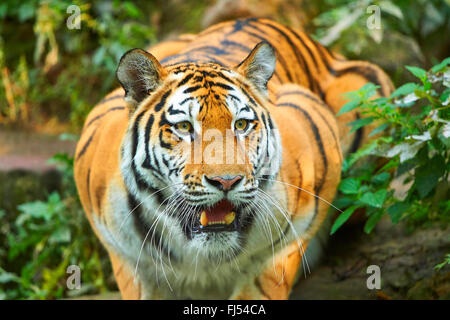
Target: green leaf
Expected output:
[406,150]
[346,164]
[441,65]
[379,129]
[405,89]
[391,164]
[418,72]
[359,123]
[391,8]
[349,106]
[343,202]
[6,277]
[26,11]
[427,175]
[444,263]
[131,9]
[36,209]
[444,137]
[3,10]
[372,221]
[60,235]
[368,90]
[349,186]
[99,55]
[405,167]
[342,218]
[374,199]
[380,100]
[382,177]
[397,210]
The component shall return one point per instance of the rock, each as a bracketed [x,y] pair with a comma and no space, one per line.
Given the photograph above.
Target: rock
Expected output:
[406,262]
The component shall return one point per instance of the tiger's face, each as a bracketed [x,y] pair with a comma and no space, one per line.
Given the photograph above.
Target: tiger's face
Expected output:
[202,138]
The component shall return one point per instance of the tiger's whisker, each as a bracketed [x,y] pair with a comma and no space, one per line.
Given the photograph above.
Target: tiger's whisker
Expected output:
[145,199]
[282,236]
[174,194]
[266,228]
[164,215]
[299,241]
[309,192]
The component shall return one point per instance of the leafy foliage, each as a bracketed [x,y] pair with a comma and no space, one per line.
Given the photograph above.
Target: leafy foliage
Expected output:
[410,180]
[56,71]
[47,237]
[49,71]
[444,263]
[342,24]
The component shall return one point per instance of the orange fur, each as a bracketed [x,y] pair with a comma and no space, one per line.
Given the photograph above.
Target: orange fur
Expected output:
[304,94]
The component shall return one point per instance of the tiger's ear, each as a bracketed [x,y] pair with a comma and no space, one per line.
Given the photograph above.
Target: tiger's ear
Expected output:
[139,73]
[259,66]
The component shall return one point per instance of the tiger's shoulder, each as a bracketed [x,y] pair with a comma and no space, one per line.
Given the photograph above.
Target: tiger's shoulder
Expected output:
[97,152]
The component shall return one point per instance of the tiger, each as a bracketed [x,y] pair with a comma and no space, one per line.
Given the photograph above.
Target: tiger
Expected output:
[210,171]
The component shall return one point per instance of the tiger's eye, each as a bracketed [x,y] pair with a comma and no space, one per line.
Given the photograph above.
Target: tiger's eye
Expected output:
[184,126]
[240,124]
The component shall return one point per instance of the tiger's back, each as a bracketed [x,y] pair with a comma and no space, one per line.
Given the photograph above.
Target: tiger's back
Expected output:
[300,60]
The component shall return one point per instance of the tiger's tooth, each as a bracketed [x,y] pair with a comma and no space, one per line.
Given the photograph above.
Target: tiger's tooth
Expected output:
[203,219]
[229,218]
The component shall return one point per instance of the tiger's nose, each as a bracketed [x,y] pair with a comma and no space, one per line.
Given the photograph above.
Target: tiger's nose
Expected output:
[223,183]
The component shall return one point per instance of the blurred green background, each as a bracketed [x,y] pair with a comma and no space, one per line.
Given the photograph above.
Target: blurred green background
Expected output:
[52,76]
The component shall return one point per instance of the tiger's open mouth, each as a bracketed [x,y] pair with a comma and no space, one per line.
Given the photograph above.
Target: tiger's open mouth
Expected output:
[223,216]
[220,217]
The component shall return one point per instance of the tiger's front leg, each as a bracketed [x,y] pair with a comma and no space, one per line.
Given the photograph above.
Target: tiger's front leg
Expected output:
[277,279]
[131,288]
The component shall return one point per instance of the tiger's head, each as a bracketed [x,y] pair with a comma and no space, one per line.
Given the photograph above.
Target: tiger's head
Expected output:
[199,140]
